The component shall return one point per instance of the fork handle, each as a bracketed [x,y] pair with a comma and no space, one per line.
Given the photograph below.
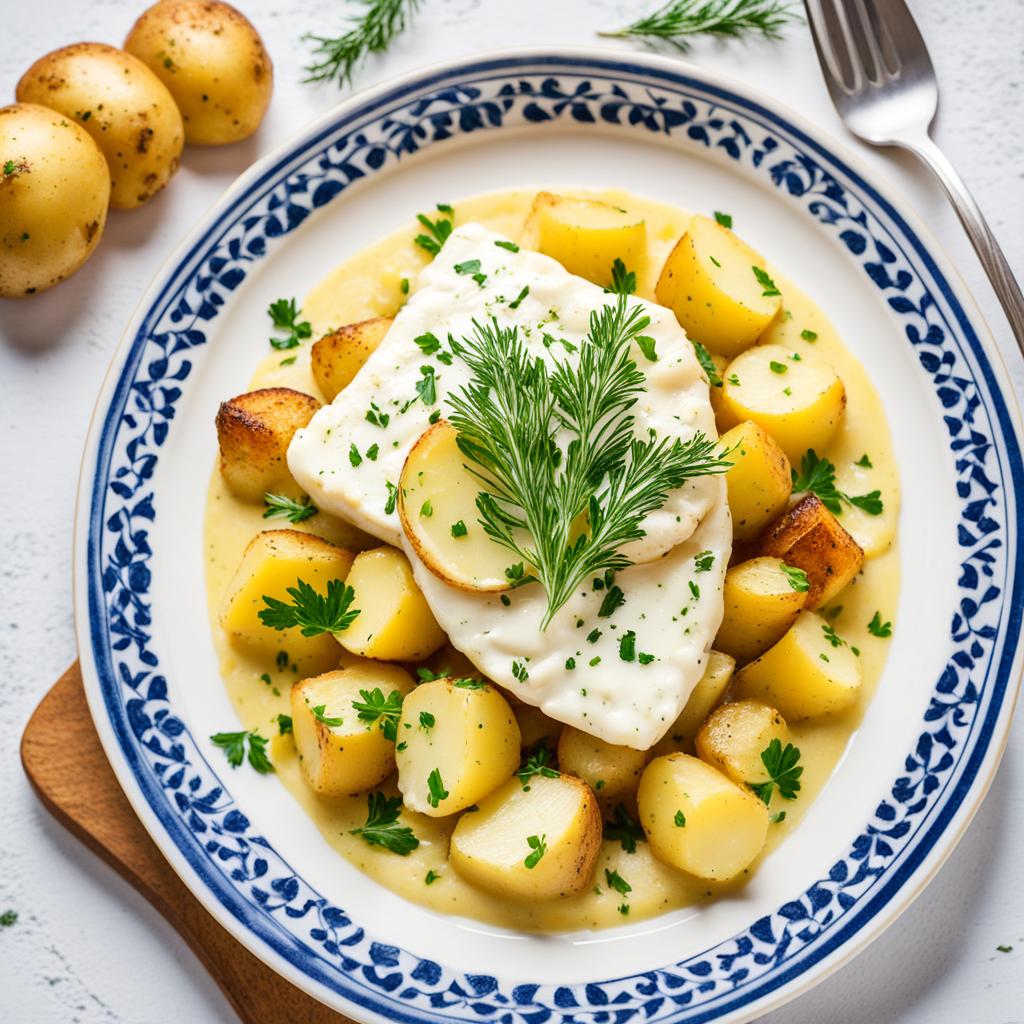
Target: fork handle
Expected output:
[980,234]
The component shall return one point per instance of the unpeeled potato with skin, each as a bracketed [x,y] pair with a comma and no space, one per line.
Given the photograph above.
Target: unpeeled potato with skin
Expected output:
[54,191]
[124,107]
[212,61]
[734,737]
[759,481]
[706,694]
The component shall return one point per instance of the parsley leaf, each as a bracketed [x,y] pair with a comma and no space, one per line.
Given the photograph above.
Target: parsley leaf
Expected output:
[627,646]
[725,219]
[311,612]
[876,627]
[613,598]
[284,315]
[382,828]
[234,743]
[623,280]
[783,770]
[280,507]
[703,561]
[538,846]
[623,829]
[435,789]
[437,230]
[427,343]
[537,763]
[864,461]
[797,578]
[511,246]
[284,724]
[818,476]
[385,711]
[320,714]
[680,819]
[646,345]
[617,882]
[707,364]
[766,283]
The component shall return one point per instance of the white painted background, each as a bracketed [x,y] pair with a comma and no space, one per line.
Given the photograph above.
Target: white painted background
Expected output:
[85,947]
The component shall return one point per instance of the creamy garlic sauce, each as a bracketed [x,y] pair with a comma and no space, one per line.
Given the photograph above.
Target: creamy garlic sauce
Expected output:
[673,608]
[369,285]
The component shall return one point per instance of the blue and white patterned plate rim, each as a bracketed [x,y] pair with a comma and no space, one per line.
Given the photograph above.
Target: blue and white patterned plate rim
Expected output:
[185,805]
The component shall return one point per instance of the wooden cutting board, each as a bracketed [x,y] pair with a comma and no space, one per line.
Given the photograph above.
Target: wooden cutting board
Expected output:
[66,765]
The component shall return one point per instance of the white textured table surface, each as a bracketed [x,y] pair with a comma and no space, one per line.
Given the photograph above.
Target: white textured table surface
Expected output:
[85,947]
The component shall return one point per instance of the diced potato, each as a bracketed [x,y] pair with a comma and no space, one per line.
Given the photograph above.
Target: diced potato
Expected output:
[759,482]
[698,820]
[535,727]
[708,281]
[337,357]
[734,736]
[716,391]
[437,505]
[587,236]
[254,431]
[809,537]
[395,622]
[798,399]
[613,772]
[706,694]
[555,826]
[353,755]
[810,671]
[455,745]
[760,605]
[274,561]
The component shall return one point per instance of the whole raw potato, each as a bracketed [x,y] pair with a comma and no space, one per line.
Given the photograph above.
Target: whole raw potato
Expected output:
[122,105]
[54,191]
[213,62]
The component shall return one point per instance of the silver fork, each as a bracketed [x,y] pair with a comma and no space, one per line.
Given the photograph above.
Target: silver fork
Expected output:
[883,85]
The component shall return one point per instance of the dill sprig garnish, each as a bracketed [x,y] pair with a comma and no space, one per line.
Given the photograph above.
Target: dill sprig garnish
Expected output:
[507,417]
[677,21]
[371,32]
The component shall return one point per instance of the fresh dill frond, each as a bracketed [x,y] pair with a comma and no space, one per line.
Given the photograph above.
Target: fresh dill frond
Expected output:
[533,491]
[678,21]
[280,506]
[372,31]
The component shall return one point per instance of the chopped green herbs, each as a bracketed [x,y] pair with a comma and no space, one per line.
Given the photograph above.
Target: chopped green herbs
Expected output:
[382,828]
[538,847]
[627,646]
[777,367]
[437,231]
[312,613]
[354,458]
[623,280]
[320,714]
[876,627]
[427,343]
[538,762]
[435,789]
[284,724]
[426,509]
[797,578]
[391,501]
[725,219]
[766,283]
[278,506]
[864,461]
[384,711]
[617,882]
[510,246]
[680,819]
[459,529]
[514,304]
[377,417]
[809,335]
[430,877]
[427,720]
[703,561]
[623,829]
[234,746]
[818,476]
[613,598]
[707,364]
[782,765]
[284,315]
[646,345]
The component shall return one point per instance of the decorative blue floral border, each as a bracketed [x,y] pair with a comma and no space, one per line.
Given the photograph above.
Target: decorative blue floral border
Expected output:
[213,834]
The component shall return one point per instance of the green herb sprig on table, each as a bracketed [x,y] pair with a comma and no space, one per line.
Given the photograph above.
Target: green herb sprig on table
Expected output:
[372,31]
[678,21]
[506,417]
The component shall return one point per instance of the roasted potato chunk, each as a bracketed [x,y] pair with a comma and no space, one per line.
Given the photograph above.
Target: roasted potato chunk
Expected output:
[797,399]
[437,506]
[611,771]
[706,694]
[342,752]
[762,600]
[810,671]
[734,737]
[699,820]
[760,479]
[274,561]
[456,744]
[536,844]
[809,537]
[254,431]
[337,357]
[587,236]
[708,281]
[394,622]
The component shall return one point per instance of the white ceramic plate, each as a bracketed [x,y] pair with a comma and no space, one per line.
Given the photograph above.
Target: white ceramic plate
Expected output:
[930,742]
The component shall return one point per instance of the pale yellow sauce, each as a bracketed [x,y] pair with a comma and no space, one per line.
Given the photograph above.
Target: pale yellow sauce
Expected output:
[370,285]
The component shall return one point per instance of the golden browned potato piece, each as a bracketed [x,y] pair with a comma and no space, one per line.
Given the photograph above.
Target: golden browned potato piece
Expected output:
[698,819]
[797,399]
[214,63]
[734,737]
[124,107]
[274,561]
[706,694]
[540,843]
[759,481]
[809,537]
[810,671]
[394,623]
[337,357]
[457,743]
[762,600]
[340,752]
[611,771]
[709,282]
[437,505]
[587,236]
[54,190]
[254,431]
